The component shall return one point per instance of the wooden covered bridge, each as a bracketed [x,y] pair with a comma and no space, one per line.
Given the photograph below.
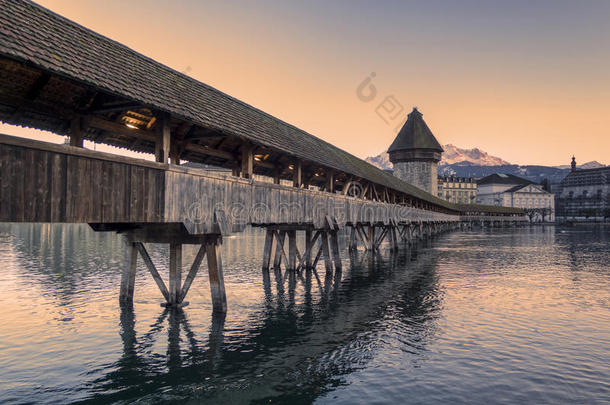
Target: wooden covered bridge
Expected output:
[61,77]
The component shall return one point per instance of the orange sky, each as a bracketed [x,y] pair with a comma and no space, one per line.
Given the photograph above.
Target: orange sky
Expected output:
[526,83]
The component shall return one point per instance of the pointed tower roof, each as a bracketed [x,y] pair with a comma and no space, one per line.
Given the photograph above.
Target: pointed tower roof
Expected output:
[415,134]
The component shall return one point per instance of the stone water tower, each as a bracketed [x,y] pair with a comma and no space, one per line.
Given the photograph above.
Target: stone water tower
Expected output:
[415,154]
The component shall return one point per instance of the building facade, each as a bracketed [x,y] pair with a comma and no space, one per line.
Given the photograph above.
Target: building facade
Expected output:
[460,190]
[507,190]
[584,194]
[415,154]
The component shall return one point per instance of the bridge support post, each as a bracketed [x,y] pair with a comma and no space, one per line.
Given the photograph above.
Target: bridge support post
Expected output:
[334,245]
[209,244]
[308,248]
[128,276]
[292,250]
[353,241]
[217,282]
[269,241]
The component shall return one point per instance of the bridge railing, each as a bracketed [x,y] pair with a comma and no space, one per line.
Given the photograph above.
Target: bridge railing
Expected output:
[487,218]
[44,182]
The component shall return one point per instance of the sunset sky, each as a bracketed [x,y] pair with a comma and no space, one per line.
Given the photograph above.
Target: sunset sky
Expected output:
[527,81]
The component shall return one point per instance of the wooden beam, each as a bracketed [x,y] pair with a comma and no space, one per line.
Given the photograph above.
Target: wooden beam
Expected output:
[192,272]
[115,127]
[297,174]
[330,181]
[346,185]
[152,269]
[76,132]
[162,139]
[276,176]
[247,161]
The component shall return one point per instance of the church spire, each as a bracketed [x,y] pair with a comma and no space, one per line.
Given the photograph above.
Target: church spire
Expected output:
[573,163]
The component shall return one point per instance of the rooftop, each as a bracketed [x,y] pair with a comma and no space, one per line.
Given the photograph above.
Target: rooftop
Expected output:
[502,178]
[415,134]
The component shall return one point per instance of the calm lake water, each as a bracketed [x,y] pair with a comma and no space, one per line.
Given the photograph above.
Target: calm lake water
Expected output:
[507,316]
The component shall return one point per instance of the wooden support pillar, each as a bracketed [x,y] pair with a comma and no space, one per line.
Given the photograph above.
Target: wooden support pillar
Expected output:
[235,170]
[292,250]
[247,161]
[371,237]
[334,244]
[269,239]
[330,181]
[393,238]
[353,241]
[162,140]
[297,174]
[308,248]
[276,177]
[128,276]
[174,153]
[175,273]
[326,252]
[217,282]
[279,248]
[76,132]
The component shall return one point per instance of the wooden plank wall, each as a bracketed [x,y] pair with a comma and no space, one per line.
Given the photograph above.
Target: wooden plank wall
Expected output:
[43,182]
[46,186]
[193,197]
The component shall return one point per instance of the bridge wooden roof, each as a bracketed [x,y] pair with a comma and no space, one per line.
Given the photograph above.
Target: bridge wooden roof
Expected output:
[54,70]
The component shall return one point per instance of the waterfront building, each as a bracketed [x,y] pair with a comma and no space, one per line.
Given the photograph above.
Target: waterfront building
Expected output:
[507,190]
[415,154]
[460,190]
[584,194]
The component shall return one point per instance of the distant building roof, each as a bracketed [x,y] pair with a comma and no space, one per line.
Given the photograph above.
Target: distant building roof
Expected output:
[587,177]
[501,178]
[415,134]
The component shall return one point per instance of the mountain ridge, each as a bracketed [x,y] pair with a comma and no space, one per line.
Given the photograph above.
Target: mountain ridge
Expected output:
[478,163]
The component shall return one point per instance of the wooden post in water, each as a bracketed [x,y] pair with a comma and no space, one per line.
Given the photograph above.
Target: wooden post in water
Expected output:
[292,250]
[334,244]
[128,276]
[326,252]
[308,248]
[217,282]
[269,238]
[353,242]
[175,273]
[279,248]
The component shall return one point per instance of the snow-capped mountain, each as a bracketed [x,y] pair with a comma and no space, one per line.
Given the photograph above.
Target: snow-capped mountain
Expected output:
[476,156]
[452,155]
[477,163]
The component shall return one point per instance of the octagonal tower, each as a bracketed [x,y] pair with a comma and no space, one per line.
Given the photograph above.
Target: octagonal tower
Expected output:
[415,154]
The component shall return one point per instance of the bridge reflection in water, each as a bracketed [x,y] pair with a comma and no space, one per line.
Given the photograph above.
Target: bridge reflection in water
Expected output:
[313,330]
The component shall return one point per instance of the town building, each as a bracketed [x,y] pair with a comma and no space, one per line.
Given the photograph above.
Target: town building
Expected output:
[415,154]
[584,194]
[460,190]
[507,190]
